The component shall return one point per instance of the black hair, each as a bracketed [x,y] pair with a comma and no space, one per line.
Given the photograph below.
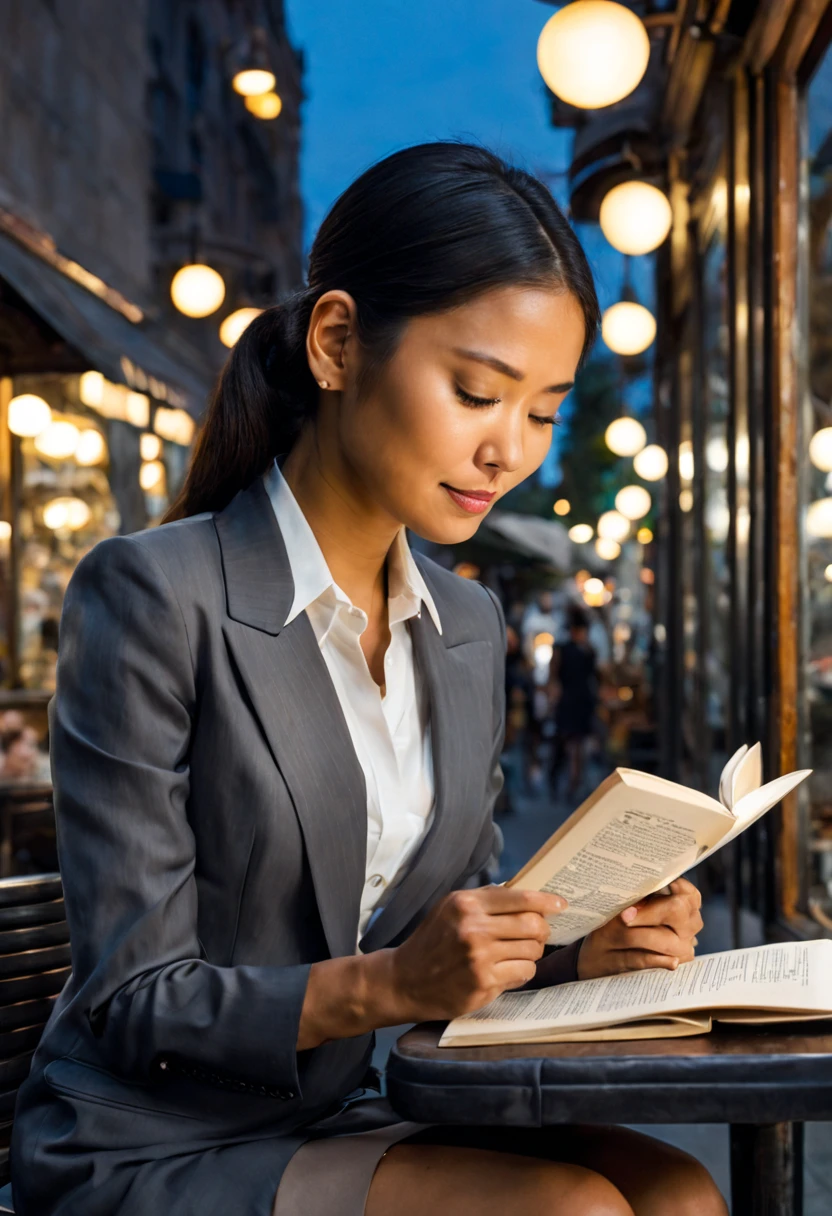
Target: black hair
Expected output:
[422,231]
[577,618]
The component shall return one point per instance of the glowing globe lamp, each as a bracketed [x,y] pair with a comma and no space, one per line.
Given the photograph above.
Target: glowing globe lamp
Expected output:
[820,449]
[593,52]
[562,507]
[580,534]
[633,502]
[651,462]
[149,446]
[91,448]
[607,550]
[58,441]
[644,536]
[151,475]
[28,415]
[628,328]
[264,105]
[613,526]
[625,436]
[197,290]
[819,518]
[251,82]
[235,323]
[66,512]
[635,217]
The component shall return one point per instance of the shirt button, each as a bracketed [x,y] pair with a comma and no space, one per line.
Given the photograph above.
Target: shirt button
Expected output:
[377,880]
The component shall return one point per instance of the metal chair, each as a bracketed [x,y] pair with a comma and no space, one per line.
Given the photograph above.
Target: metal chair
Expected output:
[35,963]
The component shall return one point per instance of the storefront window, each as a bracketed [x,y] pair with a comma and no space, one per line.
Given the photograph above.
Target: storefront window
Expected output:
[106,463]
[818,478]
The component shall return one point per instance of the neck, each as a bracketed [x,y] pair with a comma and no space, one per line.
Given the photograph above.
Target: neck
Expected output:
[354,535]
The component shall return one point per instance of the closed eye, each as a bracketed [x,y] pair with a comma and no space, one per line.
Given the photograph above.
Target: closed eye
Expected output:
[550,420]
[470,399]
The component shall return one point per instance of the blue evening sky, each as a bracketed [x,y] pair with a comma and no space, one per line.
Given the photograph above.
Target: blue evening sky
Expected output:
[382,74]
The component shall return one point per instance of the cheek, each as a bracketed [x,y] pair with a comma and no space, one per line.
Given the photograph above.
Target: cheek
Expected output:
[405,433]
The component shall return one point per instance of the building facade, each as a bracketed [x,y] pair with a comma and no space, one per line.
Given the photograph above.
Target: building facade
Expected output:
[127,153]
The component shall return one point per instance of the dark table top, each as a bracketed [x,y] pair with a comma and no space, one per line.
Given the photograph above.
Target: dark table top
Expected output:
[735,1074]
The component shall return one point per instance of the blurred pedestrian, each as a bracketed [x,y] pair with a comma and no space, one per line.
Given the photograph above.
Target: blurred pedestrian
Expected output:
[573,687]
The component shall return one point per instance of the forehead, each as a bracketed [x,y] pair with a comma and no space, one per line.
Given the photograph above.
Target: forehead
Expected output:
[537,330]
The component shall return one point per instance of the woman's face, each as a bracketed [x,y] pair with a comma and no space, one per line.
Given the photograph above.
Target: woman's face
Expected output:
[463,411]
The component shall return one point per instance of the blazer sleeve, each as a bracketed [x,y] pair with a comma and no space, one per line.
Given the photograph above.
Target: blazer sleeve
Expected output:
[120,729]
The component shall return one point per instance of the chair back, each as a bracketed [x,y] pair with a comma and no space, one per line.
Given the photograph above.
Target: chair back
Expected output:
[35,963]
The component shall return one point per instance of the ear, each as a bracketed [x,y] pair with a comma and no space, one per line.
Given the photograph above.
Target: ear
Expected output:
[330,338]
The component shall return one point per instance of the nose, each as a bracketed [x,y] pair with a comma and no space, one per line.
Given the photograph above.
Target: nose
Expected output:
[503,447]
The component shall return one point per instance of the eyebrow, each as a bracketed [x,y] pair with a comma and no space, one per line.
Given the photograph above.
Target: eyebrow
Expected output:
[507,370]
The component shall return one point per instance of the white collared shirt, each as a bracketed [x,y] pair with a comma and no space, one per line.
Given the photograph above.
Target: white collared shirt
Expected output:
[390,734]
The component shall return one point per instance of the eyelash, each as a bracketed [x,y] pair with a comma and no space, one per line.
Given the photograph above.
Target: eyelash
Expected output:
[480,402]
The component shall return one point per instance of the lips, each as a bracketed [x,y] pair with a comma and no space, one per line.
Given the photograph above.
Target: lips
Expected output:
[475,502]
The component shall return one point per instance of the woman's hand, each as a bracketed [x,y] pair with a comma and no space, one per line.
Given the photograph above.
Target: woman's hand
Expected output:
[468,949]
[658,932]
[471,947]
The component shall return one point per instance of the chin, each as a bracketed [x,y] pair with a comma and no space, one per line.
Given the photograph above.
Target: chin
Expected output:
[446,531]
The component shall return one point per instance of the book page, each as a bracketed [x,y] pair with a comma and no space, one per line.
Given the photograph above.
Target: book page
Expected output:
[726,778]
[755,804]
[630,843]
[747,775]
[793,976]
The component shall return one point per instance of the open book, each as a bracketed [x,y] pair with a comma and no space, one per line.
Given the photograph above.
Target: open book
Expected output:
[775,983]
[637,832]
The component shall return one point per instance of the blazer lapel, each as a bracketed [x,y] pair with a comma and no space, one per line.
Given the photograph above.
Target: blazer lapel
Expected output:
[293,696]
[460,687]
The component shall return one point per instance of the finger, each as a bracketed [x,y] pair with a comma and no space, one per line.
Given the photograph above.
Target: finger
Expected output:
[641,960]
[513,899]
[518,925]
[681,886]
[675,911]
[519,950]
[513,974]
[658,939]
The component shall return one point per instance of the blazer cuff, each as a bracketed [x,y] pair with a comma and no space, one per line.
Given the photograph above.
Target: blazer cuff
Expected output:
[560,966]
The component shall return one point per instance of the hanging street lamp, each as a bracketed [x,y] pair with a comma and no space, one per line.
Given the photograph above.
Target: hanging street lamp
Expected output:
[820,449]
[28,415]
[633,502]
[628,328]
[252,74]
[197,290]
[625,436]
[613,526]
[264,105]
[235,323]
[635,217]
[651,462]
[593,53]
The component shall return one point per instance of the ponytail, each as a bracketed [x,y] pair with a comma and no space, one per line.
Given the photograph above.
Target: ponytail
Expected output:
[264,394]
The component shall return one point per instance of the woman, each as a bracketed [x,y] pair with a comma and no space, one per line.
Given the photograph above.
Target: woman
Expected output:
[573,685]
[275,745]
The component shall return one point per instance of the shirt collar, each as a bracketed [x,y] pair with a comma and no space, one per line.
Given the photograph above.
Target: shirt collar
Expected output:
[407,590]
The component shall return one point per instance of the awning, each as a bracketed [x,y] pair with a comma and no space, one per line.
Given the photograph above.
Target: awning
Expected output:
[142,355]
[535,537]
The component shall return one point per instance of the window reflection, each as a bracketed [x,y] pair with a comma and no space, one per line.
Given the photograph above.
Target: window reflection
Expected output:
[818,470]
[716,513]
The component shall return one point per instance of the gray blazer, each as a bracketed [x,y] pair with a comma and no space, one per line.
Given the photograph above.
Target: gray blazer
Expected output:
[212,833]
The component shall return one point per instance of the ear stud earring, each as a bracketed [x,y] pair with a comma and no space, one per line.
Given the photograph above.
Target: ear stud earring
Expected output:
[323,383]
